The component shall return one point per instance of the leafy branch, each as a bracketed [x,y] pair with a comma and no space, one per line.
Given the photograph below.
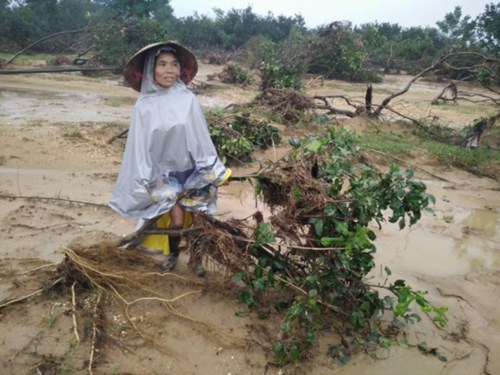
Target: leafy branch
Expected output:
[323,196]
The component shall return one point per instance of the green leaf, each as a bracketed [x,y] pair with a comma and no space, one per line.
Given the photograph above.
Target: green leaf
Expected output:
[260,284]
[296,309]
[389,302]
[318,226]
[294,352]
[270,277]
[371,235]
[332,241]
[312,279]
[239,276]
[277,347]
[313,146]
[278,265]
[342,228]
[404,344]
[286,326]
[263,261]
[385,342]
[402,224]
[247,298]
[258,272]
[313,293]
[311,336]
[412,318]
[399,283]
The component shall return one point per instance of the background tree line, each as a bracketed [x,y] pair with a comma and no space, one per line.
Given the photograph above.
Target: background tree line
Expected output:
[109,31]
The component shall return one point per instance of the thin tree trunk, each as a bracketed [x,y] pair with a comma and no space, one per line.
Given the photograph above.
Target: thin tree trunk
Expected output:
[43,39]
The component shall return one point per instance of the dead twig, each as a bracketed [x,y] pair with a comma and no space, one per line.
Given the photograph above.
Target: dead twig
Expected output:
[35,293]
[11,302]
[95,333]
[41,198]
[332,110]
[73,313]
[39,268]
[123,134]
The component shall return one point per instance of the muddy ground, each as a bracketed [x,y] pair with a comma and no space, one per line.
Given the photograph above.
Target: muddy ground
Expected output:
[56,176]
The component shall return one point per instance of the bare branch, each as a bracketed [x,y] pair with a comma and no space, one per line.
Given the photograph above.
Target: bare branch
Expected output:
[57,70]
[436,66]
[332,110]
[386,101]
[43,39]
[6,196]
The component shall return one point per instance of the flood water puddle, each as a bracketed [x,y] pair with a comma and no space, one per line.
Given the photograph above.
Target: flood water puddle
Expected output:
[480,244]
[18,106]
[469,243]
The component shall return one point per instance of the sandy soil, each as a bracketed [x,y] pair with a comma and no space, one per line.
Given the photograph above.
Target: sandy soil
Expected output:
[56,176]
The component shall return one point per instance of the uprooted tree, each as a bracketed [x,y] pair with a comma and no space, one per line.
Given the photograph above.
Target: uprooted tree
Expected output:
[317,244]
[478,68]
[482,69]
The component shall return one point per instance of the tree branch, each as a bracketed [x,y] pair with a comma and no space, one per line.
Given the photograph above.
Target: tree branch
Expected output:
[43,39]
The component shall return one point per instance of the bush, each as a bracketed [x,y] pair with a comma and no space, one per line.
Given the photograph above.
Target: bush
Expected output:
[233,73]
[276,75]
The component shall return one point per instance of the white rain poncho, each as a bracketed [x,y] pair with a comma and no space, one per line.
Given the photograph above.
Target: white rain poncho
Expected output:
[169,155]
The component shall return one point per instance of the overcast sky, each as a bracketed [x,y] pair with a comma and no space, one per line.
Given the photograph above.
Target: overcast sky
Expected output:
[318,12]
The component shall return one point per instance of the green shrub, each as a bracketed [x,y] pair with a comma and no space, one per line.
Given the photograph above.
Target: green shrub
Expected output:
[276,75]
[233,73]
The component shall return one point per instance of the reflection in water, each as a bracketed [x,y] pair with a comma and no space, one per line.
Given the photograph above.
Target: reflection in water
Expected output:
[480,243]
[237,200]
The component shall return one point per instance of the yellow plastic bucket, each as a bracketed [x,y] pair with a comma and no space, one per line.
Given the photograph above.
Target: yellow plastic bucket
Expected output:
[160,242]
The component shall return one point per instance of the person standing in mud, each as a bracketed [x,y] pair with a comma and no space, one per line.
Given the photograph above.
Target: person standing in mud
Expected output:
[170,168]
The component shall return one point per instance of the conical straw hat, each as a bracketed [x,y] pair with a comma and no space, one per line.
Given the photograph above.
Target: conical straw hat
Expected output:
[134,68]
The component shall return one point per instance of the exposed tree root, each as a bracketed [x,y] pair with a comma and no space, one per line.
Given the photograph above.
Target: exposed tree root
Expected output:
[103,272]
[95,332]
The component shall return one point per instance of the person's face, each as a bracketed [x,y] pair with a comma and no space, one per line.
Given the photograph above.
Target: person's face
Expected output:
[167,69]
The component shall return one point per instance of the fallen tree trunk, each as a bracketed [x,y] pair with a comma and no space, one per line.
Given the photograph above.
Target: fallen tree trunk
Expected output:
[44,39]
[56,70]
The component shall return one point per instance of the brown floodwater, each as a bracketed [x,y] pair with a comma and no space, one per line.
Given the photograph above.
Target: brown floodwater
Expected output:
[434,252]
